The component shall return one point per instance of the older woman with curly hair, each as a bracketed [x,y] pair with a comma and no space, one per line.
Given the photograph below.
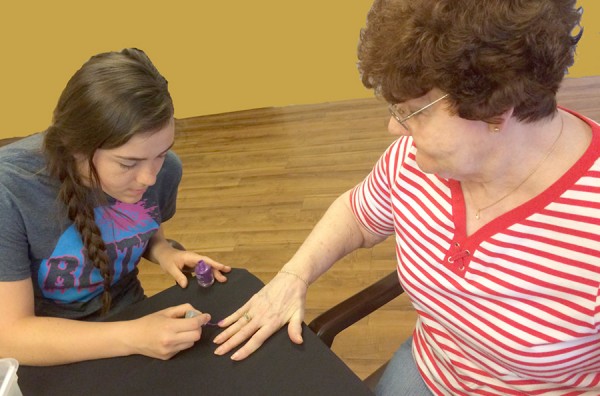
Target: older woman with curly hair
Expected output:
[491,192]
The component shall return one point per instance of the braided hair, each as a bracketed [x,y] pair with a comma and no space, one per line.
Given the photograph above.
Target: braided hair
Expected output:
[112,97]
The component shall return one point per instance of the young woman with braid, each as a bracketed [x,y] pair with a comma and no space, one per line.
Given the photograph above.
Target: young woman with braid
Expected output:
[81,203]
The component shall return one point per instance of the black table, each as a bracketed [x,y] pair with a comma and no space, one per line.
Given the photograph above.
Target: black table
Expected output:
[279,367]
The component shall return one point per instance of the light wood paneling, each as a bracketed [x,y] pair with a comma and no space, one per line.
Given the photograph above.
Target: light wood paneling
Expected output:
[255,183]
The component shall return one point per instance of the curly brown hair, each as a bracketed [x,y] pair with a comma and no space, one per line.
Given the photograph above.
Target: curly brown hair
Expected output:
[490,55]
[112,97]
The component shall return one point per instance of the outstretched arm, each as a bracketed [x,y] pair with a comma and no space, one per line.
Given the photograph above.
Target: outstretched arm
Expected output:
[43,341]
[282,300]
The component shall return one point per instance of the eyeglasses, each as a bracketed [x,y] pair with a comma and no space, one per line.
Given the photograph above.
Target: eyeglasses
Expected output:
[399,114]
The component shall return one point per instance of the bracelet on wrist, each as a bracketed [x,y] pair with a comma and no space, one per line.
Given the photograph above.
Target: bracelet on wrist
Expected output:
[294,275]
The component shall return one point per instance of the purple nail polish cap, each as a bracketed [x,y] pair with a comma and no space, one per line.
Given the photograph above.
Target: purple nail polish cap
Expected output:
[204,274]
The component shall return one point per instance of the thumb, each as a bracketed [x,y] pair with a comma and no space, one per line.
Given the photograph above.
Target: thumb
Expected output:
[178,311]
[295,331]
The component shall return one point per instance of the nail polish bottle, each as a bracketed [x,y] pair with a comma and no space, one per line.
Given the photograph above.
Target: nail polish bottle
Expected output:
[204,274]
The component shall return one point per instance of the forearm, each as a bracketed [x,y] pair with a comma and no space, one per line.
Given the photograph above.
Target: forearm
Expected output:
[282,300]
[337,234]
[157,245]
[42,341]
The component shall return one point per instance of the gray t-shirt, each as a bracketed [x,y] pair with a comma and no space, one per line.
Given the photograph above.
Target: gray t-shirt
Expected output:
[40,242]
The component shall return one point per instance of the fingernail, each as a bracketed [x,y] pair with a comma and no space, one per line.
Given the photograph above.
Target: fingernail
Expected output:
[234,356]
[220,322]
[218,351]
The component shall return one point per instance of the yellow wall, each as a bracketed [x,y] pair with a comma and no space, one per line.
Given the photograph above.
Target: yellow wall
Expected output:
[217,55]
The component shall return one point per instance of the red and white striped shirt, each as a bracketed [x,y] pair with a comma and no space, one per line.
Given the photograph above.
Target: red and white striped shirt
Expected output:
[519,314]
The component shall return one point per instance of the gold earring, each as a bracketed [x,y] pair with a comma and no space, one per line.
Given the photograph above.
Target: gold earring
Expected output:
[496,129]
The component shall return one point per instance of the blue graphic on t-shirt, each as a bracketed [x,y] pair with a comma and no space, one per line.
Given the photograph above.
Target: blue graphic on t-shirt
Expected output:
[68,276]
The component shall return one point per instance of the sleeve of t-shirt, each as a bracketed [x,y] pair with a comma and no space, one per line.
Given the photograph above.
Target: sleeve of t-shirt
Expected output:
[169,177]
[14,260]
[371,200]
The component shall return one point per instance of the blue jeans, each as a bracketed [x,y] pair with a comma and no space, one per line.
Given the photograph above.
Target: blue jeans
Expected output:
[401,377]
